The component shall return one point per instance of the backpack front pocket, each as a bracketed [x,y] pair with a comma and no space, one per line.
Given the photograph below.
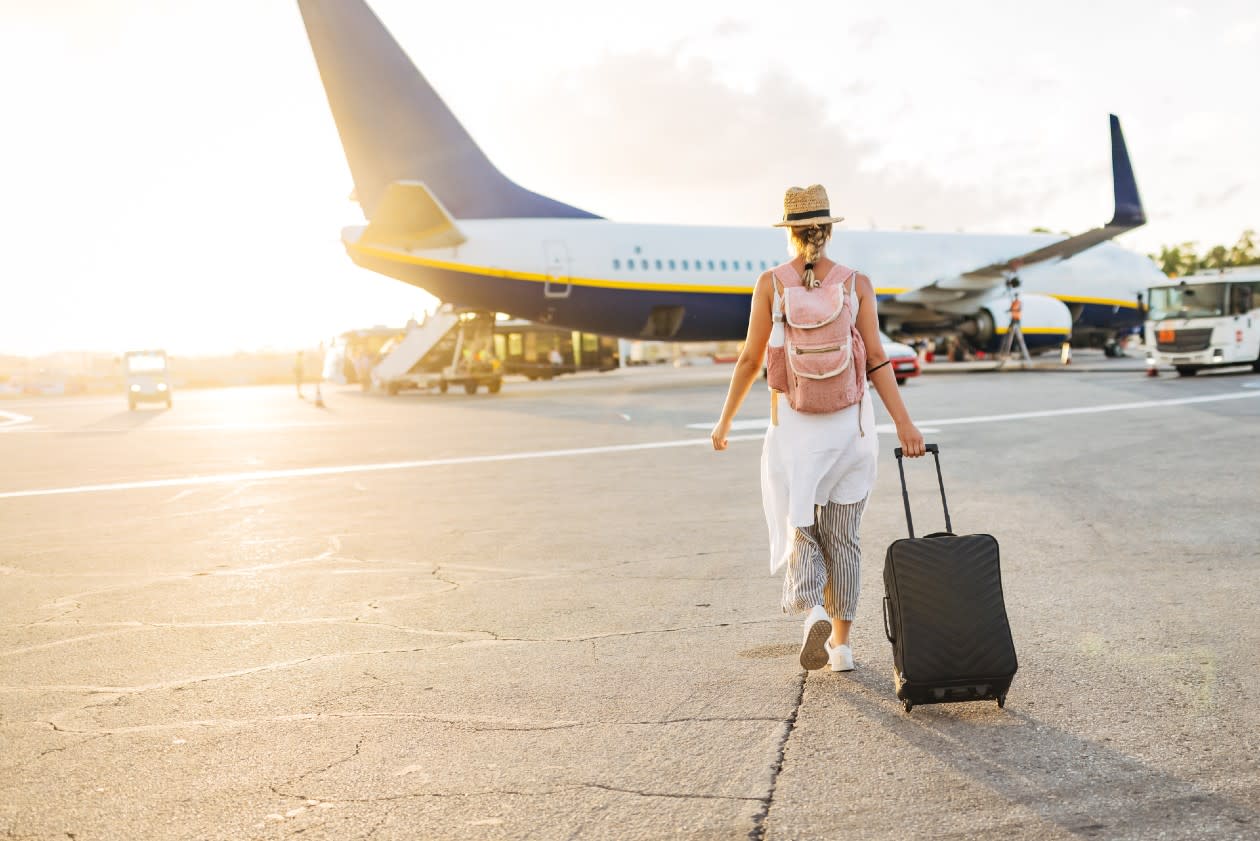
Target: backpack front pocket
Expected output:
[820,360]
[810,309]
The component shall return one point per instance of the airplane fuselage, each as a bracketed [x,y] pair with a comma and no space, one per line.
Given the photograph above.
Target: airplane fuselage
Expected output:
[693,283]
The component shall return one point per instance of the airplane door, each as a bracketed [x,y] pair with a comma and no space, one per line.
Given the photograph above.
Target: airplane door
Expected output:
[557,270]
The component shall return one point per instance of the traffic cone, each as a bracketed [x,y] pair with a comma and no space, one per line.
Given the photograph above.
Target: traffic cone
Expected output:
[319,397]
[1152,369]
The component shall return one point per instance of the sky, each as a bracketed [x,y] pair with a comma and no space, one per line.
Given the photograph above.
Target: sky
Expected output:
[171,175]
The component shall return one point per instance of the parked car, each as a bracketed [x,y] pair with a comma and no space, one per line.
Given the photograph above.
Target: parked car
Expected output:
[905,362]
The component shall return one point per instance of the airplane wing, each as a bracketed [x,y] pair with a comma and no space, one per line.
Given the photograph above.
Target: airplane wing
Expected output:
[981,281]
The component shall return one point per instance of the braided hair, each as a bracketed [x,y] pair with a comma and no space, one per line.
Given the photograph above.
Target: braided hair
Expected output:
[809,242]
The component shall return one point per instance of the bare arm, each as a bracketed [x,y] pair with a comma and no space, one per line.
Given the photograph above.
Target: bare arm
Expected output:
[884,380]
[748,366]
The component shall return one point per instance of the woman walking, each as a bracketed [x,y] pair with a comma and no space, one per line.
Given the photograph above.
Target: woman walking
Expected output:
[818,460]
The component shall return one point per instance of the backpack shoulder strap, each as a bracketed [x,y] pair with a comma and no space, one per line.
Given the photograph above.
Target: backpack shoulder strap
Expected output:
[777,294]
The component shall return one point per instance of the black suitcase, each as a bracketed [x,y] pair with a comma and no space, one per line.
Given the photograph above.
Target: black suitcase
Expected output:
[944,613]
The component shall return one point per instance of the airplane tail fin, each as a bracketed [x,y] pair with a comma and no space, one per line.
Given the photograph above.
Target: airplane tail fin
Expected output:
[1129,212]
[395,128]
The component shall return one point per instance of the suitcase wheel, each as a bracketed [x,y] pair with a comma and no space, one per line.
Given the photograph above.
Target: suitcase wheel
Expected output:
[907,706]
[1002,701]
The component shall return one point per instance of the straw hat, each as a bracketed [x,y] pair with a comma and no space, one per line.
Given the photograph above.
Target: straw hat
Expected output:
[806,206]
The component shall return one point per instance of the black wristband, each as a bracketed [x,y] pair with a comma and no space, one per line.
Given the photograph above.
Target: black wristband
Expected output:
[870,371]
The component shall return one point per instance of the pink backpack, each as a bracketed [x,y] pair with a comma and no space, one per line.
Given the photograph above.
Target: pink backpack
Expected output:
[820,362]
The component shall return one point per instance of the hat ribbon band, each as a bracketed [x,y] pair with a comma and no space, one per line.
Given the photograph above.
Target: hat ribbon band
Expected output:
[806,214]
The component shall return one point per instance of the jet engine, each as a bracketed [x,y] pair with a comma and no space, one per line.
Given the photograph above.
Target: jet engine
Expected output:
[1046,323]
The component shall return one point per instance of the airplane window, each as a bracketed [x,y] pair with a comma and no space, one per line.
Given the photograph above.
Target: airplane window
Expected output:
[685,265]
[671,265]
[723,265]
[658,264]
[616,264]
[748,265]
[763,265]
[710,265]
[643,264]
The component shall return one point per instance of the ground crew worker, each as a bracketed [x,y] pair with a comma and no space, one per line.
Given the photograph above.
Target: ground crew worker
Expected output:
[1014,332]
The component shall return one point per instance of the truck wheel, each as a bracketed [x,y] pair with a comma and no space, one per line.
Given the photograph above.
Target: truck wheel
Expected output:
[470,387]
[901,381]
[1186,370]
[494,386]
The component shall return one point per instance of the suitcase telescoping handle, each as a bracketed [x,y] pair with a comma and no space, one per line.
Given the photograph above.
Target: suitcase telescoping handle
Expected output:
[905,494]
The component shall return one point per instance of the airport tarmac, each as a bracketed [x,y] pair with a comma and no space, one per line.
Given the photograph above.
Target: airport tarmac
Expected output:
[547,614]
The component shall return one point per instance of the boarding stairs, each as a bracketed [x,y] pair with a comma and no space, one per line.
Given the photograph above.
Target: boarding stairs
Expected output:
[419,342]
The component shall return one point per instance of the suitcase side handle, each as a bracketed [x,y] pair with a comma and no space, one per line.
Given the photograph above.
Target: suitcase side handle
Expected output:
[905,493]
[887,622]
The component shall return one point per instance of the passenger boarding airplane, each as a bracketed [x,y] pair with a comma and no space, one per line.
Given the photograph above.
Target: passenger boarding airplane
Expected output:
[442,217]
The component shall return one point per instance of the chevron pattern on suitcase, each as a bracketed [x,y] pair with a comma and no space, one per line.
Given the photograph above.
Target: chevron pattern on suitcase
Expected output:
[950,614]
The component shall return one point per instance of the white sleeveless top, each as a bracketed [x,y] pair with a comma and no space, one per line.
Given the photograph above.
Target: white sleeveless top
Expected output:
[810,460]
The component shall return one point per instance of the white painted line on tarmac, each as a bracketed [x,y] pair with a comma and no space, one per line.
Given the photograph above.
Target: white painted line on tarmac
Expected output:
[762,423]
[305,472]
[8,420]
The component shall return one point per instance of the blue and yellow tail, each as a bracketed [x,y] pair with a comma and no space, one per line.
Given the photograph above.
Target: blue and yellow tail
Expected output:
[395,128]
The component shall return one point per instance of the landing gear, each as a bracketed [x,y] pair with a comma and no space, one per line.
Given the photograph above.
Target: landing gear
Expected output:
[470,387]
[494,385]
[1002,701]
[907,705]
[1186,370]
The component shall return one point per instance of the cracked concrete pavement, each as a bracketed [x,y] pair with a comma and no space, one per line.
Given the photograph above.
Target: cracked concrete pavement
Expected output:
[588,645]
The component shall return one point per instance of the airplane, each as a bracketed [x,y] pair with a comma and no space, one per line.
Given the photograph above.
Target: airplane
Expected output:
[442,217]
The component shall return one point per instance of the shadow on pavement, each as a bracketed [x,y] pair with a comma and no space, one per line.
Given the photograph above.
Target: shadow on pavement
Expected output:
[1085,787]
[123,422]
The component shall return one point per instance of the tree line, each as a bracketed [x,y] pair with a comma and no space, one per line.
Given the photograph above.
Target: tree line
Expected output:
[1184,259]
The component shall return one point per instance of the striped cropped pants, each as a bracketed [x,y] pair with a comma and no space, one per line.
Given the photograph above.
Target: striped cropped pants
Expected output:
[825,566]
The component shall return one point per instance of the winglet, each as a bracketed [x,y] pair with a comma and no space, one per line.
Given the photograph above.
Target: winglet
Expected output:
[1129,213]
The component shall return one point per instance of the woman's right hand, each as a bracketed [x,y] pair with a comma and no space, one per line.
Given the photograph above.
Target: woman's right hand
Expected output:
[911,439]
[720,431]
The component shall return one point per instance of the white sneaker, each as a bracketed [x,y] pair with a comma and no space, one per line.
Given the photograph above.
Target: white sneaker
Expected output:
[814,643]
[840,656]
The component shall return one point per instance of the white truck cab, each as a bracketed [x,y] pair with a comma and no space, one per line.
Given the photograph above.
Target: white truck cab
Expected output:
[1205,320]
[147,377]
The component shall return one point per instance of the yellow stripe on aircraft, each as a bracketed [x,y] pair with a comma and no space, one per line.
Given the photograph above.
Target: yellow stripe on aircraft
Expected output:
[1107,302]
[1035,331]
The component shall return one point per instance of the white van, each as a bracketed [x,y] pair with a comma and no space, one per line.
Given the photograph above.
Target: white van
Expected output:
[147,377]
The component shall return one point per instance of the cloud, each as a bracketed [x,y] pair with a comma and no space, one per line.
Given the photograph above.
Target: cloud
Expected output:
[729,28]
[867,31]
[1214,199]
[651,136]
